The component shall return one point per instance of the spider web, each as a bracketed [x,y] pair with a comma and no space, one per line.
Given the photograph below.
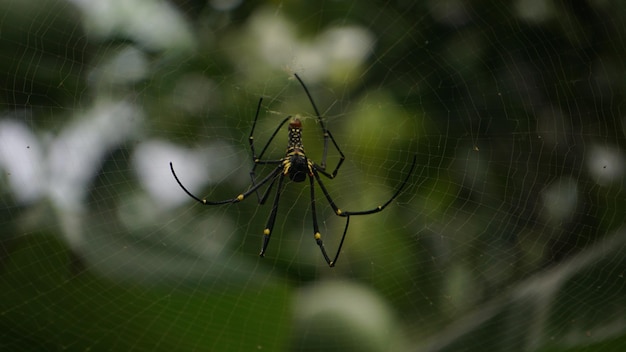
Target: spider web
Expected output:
[508,235]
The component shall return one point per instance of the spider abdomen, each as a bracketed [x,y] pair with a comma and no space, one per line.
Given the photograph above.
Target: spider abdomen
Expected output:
[296,166]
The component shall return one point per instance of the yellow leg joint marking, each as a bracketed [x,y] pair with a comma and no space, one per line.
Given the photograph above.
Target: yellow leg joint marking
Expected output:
[339,212]
[317,235]
[240,197]
[266,232]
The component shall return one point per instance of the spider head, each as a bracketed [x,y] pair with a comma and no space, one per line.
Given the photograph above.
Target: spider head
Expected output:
[295,123]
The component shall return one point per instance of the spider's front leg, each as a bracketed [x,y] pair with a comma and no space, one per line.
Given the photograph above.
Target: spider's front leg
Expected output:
[327,135]
[257,159]
[238,198]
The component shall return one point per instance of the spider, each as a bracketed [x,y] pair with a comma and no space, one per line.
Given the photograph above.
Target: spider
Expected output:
[297,167]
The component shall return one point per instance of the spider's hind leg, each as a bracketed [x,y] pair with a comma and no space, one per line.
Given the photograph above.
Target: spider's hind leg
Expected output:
[267,232]
[316,231]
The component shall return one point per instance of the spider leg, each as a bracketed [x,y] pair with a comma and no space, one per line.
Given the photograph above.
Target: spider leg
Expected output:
[261,200]
[379,208]
[257,159]
[318,237]
[342,157]
[240,197]
[332,204]
[267,232]
[396,194]
[319,118]
[316,228]
[343,237]
[327,136]
[316,231]
[321,122]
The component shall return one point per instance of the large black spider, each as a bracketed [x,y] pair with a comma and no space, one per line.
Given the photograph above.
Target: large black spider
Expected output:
[297,167]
